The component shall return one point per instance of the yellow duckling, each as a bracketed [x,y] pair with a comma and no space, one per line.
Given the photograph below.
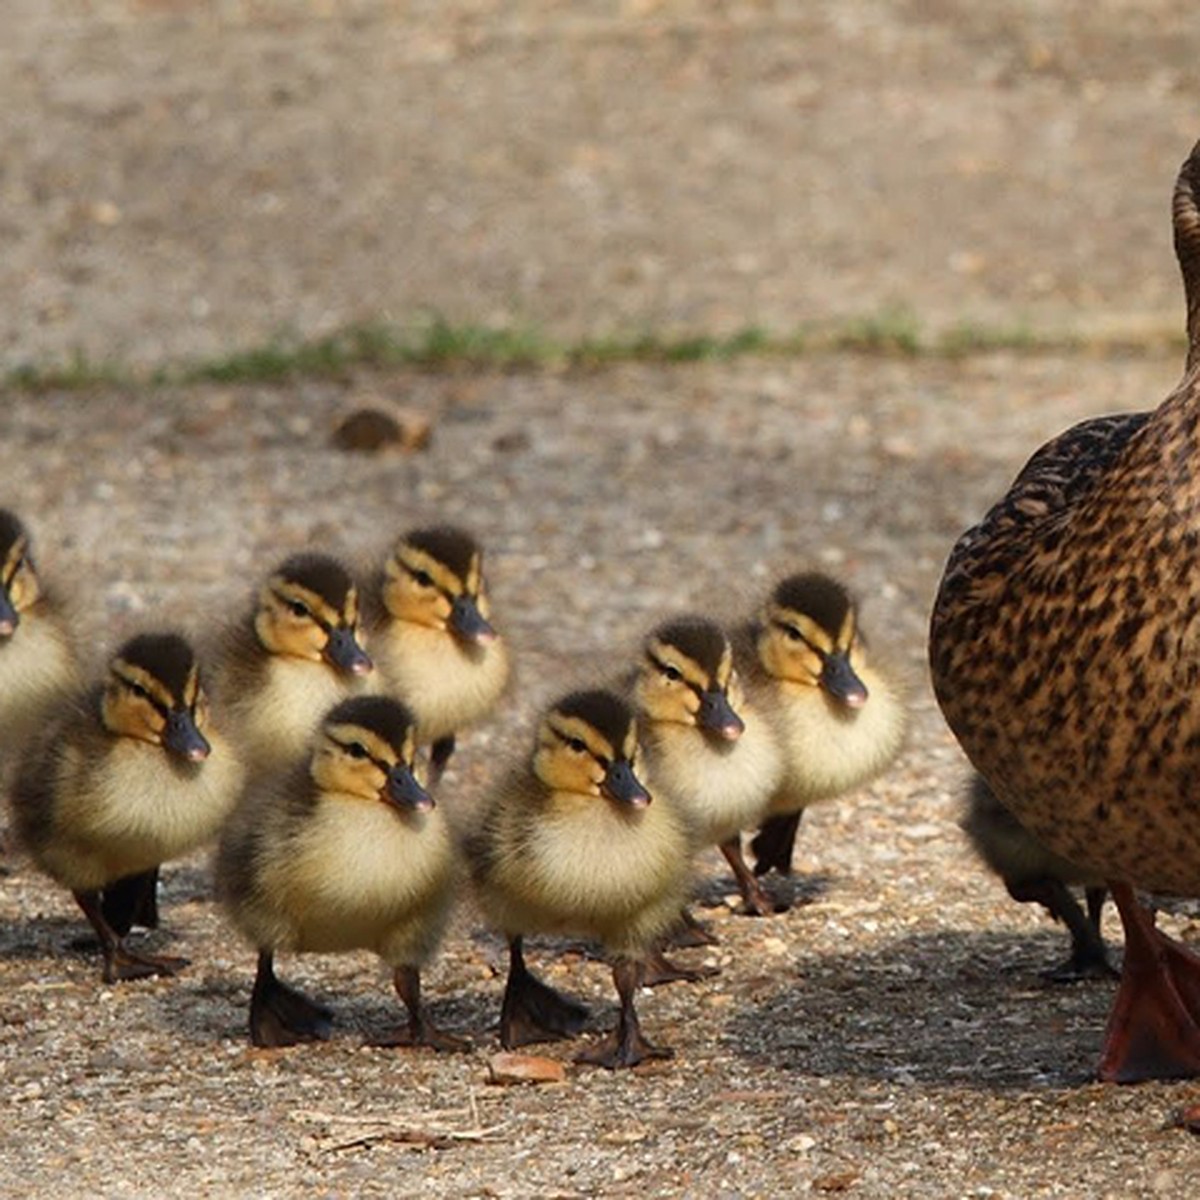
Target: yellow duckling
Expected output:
[130,775]
[839,720]
[295,655]
[704,745]
[38,654]
[344,852]
[435,646]
[569,842]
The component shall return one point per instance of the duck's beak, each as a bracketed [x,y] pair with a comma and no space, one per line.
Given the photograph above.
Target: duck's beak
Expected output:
[183,738]
[468,623]
[839,679]
[9,617]
[402,791]
[623,786]
[344,652]
[716,716]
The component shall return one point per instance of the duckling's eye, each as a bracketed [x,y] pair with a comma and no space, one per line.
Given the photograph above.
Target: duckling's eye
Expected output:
[139,691]
[356,750]
[793,634]
[576,745]
[297,609]
[423,578]
[672,674]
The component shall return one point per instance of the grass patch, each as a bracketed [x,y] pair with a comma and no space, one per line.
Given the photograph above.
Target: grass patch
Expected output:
[438,345]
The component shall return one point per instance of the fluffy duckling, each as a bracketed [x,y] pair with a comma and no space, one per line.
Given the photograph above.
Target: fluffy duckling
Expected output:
[131,775]
[569,842]
[435,646]
[1062,650]
[1033,873]
[344,852]
[705,747]
[839,720]
[298,652]
[38,655]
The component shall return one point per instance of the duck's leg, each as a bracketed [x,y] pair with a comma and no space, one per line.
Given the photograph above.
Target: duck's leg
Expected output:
[774,842]
[132,901]
[624,1046]
[757,902]
[280,1015]
[439,756]
[119,961]
[532,1011]
[420,1030]
[1154,1028]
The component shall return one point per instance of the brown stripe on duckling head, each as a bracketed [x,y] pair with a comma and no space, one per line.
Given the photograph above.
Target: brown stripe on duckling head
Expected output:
[822,599]
[322,575]
[454,548]
[698,639]
[13,534]
[167,659]
[388,719]
[605,713]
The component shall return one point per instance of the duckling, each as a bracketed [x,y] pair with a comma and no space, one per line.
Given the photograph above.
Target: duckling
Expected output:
[704,745]
[1032,873]
[570,842]
[1063,651]
[130,775]
[297,652]
[436,647]
[345,851]
[39,662]
[840,720]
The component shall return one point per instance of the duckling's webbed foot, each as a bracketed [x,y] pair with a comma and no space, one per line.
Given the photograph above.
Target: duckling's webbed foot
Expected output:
[282,1016]
[532,1011]
[1154,1027]
[121,963]
[659,969]
[420,1031]
[625,1046]
[1089,955]
[774,842]
[755,901]
[692,933]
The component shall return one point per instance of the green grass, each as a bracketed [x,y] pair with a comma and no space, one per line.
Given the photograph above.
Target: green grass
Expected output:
[438,345]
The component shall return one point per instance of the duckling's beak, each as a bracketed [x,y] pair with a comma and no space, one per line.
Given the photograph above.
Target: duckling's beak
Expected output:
[840,681]
[402,791]
[344,652]
[623,786]
[183,738]
[468,623]
[9,617]
[716,715]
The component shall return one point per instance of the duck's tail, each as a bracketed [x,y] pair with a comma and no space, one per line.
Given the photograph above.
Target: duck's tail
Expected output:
[1186,214]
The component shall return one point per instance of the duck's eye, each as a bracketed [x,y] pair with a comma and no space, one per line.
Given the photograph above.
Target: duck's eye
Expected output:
[356,750]
[576,745]
[297,608]
[672,674]
[423,578]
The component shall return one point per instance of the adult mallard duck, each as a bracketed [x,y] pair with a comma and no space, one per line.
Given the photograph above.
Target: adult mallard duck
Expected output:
[1065,654]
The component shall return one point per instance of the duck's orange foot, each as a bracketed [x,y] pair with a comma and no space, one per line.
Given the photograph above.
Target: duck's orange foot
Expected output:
[1154,1027]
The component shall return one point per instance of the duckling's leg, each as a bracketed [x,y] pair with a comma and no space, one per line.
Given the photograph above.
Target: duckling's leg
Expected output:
[1154,1027]
[439,756]
[625,1046]
[1089,955]
[774,842]
[420,1031]
[280,1015]
[532,1011]
[119,961]
[757,902]
[692,933]
[132,901]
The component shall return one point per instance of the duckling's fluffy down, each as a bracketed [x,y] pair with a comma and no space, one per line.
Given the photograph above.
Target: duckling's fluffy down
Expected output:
[37,666]
[325,872]
[581,865]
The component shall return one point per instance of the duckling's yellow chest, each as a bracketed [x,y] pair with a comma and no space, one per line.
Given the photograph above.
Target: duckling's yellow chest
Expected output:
[723,787]
[135,808]
[36,667]
[448,685]
[829,749]
[275,723]
[359,872]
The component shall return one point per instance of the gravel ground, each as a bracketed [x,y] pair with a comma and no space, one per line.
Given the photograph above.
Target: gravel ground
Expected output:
[183,178]
[889,1034]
